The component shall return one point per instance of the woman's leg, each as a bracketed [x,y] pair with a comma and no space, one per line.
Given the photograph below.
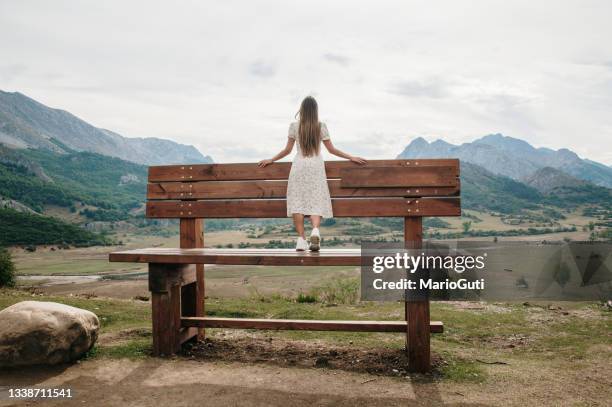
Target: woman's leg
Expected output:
[315,220]
[298,222]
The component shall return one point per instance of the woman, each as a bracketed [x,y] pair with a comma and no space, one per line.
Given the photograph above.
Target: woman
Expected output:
[307,190]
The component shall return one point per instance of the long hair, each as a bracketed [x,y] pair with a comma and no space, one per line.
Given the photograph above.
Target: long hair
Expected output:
[309,130]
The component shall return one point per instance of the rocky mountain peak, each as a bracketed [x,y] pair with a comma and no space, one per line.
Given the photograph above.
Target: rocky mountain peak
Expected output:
[26,123]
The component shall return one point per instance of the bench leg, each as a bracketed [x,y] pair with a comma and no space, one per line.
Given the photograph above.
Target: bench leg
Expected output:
[416,312]
[192,303]
[417,337]
[191,234]
[165,284]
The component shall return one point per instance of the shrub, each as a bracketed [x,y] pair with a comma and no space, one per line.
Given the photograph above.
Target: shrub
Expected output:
[306,298]
[7,269]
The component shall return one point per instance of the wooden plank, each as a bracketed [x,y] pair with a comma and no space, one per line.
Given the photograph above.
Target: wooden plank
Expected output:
[404,177]
[269,257]
[276,208]
[416,312]
[250,171]
[166,307]
[278,189]
[305,325]
[187,334]
[160,280]
[192,295]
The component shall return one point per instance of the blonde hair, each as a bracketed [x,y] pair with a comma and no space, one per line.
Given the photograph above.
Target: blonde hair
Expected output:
[309,129]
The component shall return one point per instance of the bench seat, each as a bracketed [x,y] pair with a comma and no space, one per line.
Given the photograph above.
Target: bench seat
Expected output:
[264,257]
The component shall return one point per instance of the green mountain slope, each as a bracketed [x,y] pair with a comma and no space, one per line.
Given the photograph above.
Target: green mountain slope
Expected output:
[108,187]
[483,190]
[20,228]
[40,177]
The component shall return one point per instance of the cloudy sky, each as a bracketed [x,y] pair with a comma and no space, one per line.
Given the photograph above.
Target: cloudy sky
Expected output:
[228,76]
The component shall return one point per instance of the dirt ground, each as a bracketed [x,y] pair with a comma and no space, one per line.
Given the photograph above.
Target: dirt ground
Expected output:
[190,383]
[251,372]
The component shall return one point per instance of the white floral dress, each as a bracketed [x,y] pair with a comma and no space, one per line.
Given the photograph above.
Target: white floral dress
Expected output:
[307,190]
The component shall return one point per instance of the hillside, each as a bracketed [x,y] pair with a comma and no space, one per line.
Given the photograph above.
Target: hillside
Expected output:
[548,179]
[37,178]
[93,186]
[511,157]
[484,190]
[26,123]
[21,228]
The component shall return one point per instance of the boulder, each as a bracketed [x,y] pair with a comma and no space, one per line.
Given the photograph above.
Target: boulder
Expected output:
[36,332]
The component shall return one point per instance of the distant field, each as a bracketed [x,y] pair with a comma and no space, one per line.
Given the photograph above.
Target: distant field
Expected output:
[94,260]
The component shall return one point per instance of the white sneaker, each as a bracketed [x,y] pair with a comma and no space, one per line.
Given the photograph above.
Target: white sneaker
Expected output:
[315,240]
[301,245]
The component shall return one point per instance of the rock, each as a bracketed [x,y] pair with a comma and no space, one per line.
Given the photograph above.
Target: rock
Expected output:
[36,332]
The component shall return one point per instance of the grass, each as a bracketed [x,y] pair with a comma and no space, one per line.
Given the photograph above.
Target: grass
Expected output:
[507,333]
[461,370]
[131,349]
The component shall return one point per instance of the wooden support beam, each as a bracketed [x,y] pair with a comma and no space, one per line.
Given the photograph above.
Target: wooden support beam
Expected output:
[304,325]
[165,281]
[191,237]
[416,312]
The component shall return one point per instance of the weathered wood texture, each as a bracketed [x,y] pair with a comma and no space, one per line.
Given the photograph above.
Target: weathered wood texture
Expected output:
[259,189]
[265,257]
[165,281]
[306,325]
[251,171]
[191,234]
[277,208]
[416,312]
[403,177]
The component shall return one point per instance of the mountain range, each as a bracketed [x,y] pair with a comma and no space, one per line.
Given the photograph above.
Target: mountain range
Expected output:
[511,157]
[57,165]
[26,123]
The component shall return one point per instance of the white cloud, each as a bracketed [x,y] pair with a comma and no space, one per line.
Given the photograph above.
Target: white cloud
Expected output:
[229,76]
[337,59]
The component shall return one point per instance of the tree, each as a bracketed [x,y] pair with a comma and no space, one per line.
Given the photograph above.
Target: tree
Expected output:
[7,269]
[466,226]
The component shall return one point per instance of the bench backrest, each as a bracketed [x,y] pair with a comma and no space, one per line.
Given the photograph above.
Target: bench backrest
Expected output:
[393,188]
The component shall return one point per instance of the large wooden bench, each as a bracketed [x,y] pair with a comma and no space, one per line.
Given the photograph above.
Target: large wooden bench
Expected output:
[410,189]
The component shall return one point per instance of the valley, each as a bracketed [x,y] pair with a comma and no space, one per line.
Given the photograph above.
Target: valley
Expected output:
[66,201]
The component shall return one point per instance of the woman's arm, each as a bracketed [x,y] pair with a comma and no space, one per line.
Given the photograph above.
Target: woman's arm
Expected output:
[283,153]
[333,150]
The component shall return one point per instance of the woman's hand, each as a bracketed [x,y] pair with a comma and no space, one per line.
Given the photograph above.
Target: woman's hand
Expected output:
[263,163]
[358,160]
